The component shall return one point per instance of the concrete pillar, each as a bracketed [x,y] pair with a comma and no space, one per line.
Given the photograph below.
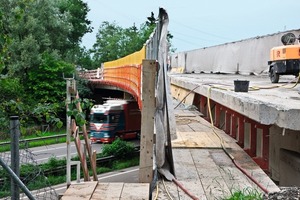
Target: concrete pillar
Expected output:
[241,131]
[233,129]
[284,156]
[247,133]
[259,142]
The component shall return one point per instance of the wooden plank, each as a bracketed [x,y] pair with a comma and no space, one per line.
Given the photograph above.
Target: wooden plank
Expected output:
[81,155]
[147,126]
[212,181]
[81,191]
[196,140]
[184,128]
[194,187]
[135,191]
[186,174]
[233,177]
[87,142]
[111,191]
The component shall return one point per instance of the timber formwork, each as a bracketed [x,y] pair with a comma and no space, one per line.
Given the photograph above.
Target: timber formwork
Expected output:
[246,131]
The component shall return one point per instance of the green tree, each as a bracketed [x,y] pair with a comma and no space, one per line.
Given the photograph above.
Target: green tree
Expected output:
[39,41]
[46,81]
[107,46]
[85,60]
[36,27]
[76,11]
[113,41]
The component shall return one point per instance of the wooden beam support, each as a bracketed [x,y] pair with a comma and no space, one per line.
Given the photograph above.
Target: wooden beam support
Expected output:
[147,128]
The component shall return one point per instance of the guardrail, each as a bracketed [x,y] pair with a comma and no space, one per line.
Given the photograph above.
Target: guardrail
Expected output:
[36,139]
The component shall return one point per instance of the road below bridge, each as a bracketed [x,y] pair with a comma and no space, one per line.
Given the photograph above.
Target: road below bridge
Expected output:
[59,151]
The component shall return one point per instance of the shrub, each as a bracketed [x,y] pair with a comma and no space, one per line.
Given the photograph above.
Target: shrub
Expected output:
[119,148]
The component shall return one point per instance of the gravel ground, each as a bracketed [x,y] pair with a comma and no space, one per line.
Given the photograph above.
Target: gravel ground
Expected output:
[286,193]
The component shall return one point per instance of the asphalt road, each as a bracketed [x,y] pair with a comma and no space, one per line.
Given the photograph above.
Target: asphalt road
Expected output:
[59,151]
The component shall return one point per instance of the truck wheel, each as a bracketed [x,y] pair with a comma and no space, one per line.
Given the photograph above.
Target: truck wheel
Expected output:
[138,135]
[274,76]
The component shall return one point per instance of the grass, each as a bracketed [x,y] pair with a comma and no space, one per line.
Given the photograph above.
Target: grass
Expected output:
[246,194]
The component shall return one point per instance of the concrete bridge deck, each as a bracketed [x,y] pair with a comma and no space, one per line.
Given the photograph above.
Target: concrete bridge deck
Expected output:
[265,102]
[264,120]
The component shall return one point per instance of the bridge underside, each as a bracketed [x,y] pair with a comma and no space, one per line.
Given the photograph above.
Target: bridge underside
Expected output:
[102,92]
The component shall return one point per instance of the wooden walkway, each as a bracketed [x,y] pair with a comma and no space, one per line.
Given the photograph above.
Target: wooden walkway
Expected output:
[201,166]
[104,191]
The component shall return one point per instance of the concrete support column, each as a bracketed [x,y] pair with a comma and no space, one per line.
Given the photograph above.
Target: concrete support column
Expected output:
[203,106]
[253,140]
[233,126]
[262,148]
[241,129]
[227,122]
[217,115]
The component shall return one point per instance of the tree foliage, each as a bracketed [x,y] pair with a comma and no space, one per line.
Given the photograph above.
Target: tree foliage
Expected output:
[46,80]
[39,41]
[113,41]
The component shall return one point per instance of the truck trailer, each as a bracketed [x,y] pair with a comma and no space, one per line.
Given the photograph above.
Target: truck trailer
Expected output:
[115,119]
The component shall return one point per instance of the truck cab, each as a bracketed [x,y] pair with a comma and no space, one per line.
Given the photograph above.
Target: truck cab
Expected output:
[114,119]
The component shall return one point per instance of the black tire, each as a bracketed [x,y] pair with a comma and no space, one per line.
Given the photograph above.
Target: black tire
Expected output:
[138,135]
[274,77]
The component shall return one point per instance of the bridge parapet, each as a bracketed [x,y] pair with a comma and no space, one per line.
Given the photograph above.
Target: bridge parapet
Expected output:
[124,73]
[92,74]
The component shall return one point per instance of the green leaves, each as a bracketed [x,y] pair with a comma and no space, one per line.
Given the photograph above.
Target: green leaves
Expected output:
[39,41]
[119,148]
[76,114]
[46,81]
[114,42]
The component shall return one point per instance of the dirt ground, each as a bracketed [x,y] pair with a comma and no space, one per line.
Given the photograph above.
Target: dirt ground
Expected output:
[286,193]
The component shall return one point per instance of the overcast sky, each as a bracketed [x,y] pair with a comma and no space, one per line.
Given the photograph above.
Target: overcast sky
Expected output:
[199,23]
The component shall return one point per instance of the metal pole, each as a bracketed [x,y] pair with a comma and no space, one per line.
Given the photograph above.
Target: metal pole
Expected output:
[14,155]
[17,181]
[68,139]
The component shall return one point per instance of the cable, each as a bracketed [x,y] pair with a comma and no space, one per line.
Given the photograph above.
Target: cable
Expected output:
[278,86]
[225,150]
[185,190]
[166,189]
[156,194]
[186,96]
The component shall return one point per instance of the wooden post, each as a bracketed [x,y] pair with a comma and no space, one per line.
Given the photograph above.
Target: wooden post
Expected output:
[147,126]
[81,155]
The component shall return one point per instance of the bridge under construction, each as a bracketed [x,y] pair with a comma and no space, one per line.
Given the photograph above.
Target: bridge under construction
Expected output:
[217,138]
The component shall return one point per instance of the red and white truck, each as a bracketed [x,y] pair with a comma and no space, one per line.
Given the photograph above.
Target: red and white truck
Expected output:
[115,119]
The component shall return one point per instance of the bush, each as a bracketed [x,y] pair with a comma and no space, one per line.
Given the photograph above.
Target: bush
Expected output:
[119,148]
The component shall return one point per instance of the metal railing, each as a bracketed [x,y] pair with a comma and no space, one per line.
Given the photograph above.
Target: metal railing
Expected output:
[35,139]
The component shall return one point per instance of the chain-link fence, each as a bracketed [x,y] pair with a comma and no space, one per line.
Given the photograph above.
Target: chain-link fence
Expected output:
[17,157]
